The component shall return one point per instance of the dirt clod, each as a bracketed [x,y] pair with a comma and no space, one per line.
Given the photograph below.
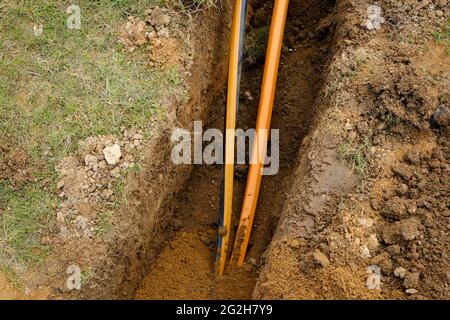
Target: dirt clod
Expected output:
[411,280]
[400,272]
[409,228]
[441,117]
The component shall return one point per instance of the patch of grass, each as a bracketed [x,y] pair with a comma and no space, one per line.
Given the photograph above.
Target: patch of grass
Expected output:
[354,154]
[256,44]
[120,185]
[12,277]
[59,88]
[443,36]
[26,215]
[66,85]
[407,40]
[361,61]
[390,119]
[86,275]
[105,228]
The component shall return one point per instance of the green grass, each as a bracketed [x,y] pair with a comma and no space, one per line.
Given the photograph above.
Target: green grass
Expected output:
[59,88]
[86,275]
[390,119]
[105,228]
[354,154]
[67,85]
[443,37]
[256,44]
[26,215]
[361,61]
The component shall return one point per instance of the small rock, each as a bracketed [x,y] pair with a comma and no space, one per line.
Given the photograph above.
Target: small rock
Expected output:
[400,272]
[60,217]
[394,208]
[348,126]
[404,173]
[365,252]
[321,258]
[366,222]
[412,157]
[412,207]
[348,42]
[107,194]
[394,249]
[84,208]
[294,243]
[163,33]
[158,18]
[391,234]
[112,154]
[102,164]
[441,117]
[375,204]
[411,291]
[60,184]
[372,241]
[46,240]
[137,136]
[401,189]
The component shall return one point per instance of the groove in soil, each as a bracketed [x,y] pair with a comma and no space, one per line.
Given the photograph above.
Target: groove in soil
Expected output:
[184,268]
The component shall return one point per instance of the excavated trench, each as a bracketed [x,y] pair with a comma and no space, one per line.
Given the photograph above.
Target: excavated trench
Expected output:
[183,267]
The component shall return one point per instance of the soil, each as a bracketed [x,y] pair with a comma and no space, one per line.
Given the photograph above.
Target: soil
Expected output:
[192,248]
[14,166]
[360,208]
[382,95]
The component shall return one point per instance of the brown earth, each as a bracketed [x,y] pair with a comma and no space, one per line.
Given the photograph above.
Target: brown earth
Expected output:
[383,95]
[192,249]
[363,182]
[389,101]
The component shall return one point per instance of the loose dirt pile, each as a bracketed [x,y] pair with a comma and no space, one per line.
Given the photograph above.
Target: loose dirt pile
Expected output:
[90,182]
[154,32]
[14,166]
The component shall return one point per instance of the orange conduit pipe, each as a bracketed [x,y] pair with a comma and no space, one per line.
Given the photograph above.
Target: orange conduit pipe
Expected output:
[234,72]
[262,131]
